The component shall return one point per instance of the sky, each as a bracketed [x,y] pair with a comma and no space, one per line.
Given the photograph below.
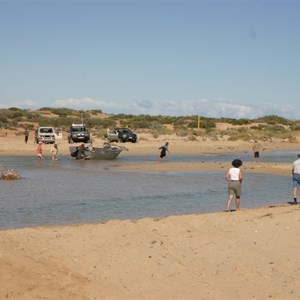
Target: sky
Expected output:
[231,59]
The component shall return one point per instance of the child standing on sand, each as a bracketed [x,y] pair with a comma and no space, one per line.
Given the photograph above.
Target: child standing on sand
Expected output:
[234,176]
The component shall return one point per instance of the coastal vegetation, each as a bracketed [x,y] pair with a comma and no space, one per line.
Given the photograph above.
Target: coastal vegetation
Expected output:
[263,128]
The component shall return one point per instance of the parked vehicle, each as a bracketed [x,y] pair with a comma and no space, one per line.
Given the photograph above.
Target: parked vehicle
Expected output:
[78,134]
[121,134]
[45,134]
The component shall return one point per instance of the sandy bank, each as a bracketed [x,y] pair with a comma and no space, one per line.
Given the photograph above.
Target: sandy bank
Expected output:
[252,254]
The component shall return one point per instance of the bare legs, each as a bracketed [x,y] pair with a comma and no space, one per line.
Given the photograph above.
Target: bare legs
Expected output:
[295,191]
[237,202]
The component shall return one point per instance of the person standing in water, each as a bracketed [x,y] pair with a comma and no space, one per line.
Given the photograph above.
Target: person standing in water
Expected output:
[81,152]
[296,178]
[39,150]
[256,148]
[54,152]
[164,149]
[234,176]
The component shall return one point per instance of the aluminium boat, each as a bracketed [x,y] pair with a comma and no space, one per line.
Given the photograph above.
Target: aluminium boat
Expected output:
[87,151]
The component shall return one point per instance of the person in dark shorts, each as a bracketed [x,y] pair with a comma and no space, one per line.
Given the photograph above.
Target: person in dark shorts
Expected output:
[256,148]
[164,149]
[234,176]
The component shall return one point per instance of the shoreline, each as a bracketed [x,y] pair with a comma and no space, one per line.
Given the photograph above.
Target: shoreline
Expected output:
[244,209]
[15,145]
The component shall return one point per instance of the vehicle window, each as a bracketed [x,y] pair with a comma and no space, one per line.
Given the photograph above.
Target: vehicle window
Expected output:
[46,130]
[78,129]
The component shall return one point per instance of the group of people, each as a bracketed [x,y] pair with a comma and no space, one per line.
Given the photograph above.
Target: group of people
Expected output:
[234,176]
[256,149]
[53,151]
[39,149]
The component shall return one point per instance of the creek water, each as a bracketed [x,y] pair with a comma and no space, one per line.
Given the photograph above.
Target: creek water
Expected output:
[70,192]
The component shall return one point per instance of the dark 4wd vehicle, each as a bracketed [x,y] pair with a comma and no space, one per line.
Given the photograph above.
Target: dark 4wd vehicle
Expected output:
[78,133]
[121,134]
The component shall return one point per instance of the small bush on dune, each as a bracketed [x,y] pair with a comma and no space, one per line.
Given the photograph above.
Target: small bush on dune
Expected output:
[192,138]
[183,132]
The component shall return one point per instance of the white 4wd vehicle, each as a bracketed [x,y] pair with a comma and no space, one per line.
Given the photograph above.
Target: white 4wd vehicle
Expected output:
[46,135]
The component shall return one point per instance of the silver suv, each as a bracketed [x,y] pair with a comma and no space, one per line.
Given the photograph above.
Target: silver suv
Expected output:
[45,134]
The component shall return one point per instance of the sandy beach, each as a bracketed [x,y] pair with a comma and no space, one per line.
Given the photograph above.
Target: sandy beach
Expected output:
[250,254]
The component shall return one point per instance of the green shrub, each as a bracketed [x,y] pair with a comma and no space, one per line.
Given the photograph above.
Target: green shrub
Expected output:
[192,138]
[182,132]
[273,119]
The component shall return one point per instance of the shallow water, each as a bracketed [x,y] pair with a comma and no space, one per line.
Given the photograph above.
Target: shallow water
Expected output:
[69,191]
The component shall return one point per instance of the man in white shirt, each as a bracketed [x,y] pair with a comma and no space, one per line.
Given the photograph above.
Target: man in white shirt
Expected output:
[296,178]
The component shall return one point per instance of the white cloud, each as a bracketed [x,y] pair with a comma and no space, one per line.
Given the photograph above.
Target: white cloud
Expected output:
[23,104]
[204,107]
[84,103]
[210,108]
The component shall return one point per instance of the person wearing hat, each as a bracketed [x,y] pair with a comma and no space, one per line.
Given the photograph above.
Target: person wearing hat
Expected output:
[39,150]
[296,178]
[234,176]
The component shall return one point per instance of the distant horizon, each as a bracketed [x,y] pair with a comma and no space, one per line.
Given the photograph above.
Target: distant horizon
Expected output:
[163,115]
[170,108]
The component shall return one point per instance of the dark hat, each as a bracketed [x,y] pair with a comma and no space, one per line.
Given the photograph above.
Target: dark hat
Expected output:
[236,163]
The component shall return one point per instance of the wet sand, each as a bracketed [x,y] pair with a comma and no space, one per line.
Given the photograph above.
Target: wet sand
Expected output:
[250,254]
